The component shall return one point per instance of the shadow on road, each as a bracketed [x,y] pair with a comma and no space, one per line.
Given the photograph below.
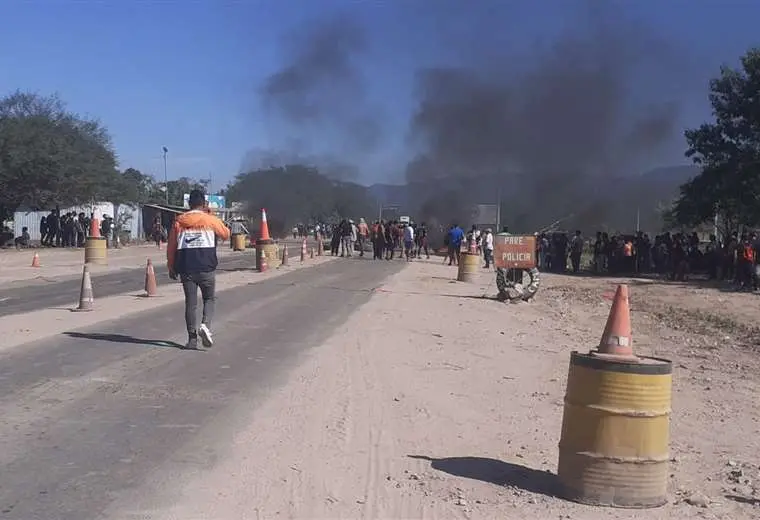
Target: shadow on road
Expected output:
[496,472]
[121,338]
[744,500]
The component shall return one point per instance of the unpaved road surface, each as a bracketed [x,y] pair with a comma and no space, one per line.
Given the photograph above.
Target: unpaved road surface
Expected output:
[425,400]
[93,413]
[433,402]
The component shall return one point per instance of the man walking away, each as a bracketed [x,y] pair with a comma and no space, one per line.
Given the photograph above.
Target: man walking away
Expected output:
[488,247]
[422,241]
[191,255]
[363,235]
[576,251]
[408,241]
[455,238]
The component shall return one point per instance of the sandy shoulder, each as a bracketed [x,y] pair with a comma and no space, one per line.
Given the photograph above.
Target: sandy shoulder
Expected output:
[431,402]
[18,329]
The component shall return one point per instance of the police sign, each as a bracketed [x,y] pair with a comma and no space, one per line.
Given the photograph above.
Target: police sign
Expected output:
[514,251]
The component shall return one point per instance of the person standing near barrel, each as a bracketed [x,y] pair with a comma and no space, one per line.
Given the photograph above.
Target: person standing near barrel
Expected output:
[191,256]
[238,228]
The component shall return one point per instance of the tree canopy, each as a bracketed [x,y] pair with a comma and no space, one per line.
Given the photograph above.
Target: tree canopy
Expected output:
[51,157]
[728,152]
[298,193]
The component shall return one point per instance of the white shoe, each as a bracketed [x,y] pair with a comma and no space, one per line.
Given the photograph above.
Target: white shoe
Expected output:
[205,334]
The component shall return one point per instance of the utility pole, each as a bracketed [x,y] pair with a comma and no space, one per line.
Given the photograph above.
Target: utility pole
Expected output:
[638,220]
[498,209]
[166,177]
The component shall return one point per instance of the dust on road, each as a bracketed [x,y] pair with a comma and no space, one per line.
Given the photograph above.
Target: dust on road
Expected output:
[432,402]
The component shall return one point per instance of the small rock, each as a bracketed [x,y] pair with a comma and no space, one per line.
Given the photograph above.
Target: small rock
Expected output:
[731,463]
[698,500]
[461,502]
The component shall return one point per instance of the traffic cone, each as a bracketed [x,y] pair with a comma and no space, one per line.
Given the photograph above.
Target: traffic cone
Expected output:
[616,338]
[36,260]
[264,231]
[94,228]
[303,250]
[263,263]
[86,298]
[150,280]
[311,253]
[285,255]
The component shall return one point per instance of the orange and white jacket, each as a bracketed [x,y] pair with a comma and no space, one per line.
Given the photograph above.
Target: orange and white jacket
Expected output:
[192,242]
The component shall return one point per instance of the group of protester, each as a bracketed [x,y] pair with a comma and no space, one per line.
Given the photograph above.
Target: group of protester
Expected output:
[673,256]
[70,229]
[384,237]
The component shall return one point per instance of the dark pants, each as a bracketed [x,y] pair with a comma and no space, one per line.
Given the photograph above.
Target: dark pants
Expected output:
[191,282]
[378,246]
[575,260]
[488,257]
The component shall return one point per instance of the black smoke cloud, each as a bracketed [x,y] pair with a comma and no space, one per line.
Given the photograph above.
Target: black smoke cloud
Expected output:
[320,94]
[553,124]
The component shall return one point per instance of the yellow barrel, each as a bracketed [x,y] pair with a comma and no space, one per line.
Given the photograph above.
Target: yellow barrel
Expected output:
[95,251]
[468,267]
[238,241]
[614,448]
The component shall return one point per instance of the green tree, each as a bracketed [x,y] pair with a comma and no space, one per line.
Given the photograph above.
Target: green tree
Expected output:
[50,156]
[297,193]
[728,151]
[177,188]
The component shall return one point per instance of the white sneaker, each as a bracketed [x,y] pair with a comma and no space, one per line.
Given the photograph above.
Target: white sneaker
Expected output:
[205,333]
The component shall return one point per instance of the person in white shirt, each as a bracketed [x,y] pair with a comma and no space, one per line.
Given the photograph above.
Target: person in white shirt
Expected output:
[488,247]
[408,241]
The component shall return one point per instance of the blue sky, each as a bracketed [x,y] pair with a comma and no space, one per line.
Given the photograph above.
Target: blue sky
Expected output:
[185,74]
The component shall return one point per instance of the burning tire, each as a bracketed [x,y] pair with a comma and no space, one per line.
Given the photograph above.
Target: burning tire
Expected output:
[512,286]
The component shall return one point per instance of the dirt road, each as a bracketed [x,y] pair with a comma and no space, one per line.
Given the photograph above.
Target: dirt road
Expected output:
[424,401]
[431,402]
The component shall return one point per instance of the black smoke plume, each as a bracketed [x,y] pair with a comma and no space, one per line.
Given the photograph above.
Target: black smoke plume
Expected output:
[553,129]
[320,94]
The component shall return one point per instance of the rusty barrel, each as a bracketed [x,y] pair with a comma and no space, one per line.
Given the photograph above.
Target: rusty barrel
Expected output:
[238,241]
[95,251]
[614,448]
[469,264]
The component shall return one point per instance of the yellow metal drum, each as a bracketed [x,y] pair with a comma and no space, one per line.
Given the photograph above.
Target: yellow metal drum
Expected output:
[469,264]
[614,449]
[238,241]
[95,251]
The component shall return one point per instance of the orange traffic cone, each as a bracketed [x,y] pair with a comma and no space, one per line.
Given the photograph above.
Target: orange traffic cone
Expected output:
[616,338]
[94,228]
[150,280]
[303,250]
[263,263]
[36,260]
[86,299]
[285,255]
[264,231]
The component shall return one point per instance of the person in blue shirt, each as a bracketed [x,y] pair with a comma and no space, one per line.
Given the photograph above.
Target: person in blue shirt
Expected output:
[456,235]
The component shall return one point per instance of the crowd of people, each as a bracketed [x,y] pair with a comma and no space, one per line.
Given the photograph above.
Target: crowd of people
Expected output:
[70,229]
[384,238]
[674,256]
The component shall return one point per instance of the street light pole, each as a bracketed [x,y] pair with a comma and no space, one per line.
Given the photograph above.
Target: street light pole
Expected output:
[166,177]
